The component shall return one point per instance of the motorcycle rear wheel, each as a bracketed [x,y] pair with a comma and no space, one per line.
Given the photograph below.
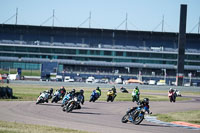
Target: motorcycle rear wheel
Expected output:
[138,119]
[108,98]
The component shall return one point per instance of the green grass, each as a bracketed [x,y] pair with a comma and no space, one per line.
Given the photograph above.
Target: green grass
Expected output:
[31,92]
[12,127]
[189,116]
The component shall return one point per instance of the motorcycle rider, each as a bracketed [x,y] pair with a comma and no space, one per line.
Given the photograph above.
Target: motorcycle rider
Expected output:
[98,91]
[114,91]
[68,96]
[136,92]
[122,89]
[145,104]
[62,90]
[47,94]
[50,93]
[80,96]
[172,93]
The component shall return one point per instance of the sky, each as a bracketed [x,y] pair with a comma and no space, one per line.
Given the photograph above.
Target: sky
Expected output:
[143,15]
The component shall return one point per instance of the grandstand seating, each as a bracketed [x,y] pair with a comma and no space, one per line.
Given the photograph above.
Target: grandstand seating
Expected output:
[72,37]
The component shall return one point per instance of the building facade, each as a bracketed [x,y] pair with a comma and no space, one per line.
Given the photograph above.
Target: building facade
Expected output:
[96,50]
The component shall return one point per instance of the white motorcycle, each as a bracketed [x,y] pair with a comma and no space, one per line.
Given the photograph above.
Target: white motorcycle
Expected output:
[178,93]
[43,98]
[57,97]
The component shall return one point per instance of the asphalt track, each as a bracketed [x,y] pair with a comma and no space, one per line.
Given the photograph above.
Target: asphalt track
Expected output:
[101,117]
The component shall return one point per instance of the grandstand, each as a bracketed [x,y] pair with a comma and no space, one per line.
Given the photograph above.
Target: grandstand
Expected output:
[96,50]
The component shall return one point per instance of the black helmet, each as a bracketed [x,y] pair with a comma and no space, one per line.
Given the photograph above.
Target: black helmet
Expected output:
[73,91]
[146,100]
[97,88]
[51,90]
[136,87]
[81,91]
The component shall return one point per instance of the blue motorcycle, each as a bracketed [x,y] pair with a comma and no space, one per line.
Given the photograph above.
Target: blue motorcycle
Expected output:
[94,96]
[66,99]
[135,115]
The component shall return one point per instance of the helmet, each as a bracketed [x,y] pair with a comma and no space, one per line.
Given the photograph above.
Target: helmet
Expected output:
[81,91]
[136,87]
[146,100]
[170,89]
[73,91]
[97,88]
[51,90]
[62,87]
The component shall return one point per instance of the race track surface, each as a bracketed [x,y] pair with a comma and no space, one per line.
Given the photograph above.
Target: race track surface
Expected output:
[100,117]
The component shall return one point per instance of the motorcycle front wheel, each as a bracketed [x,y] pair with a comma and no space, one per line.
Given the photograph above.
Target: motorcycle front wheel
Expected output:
[125,118]
[108,98]
[91,99]
[70,107]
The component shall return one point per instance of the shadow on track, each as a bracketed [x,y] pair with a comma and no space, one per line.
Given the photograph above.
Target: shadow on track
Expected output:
[87,108]
[48,104]
[86,113]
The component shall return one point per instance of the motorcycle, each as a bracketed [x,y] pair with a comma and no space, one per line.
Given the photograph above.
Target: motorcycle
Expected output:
[172,96]
[57,96]
[178,93]
[42,98]
[94,96]
[110,96]
[66,99]
[123,90]
[135,97]
[74,103]
[135,115]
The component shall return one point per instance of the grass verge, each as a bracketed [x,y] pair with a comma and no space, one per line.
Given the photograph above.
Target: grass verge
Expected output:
[24,92]
[188,116]
[13,127]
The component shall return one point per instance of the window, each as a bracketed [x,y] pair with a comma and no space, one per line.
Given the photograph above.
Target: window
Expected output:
[82,51]
[131,54]
[119,53]
[108,53]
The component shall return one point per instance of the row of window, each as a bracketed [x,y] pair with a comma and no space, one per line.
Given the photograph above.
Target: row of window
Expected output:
[56,51]
[24,66]
[144,61]
[15,65]
[94,52]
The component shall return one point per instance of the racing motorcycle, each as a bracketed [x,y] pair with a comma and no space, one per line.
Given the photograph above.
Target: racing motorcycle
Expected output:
[57,96]
[123,90]
[43,98]
[110,96]
[94,96]
[66,99]
[74,103]
[135,115]
[178,93]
